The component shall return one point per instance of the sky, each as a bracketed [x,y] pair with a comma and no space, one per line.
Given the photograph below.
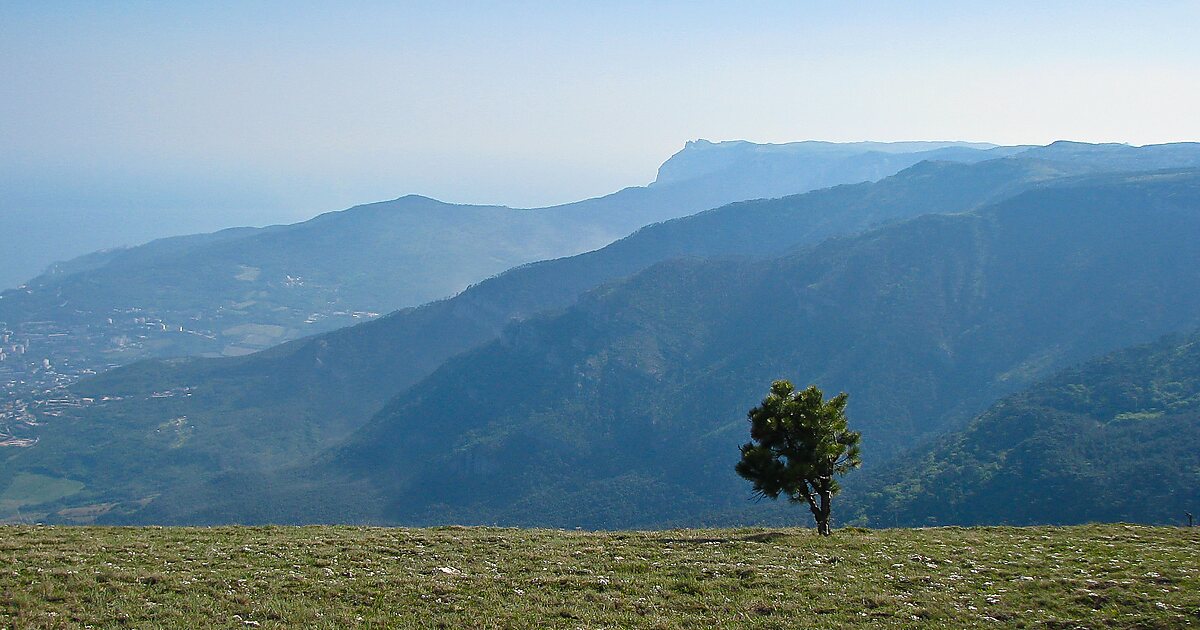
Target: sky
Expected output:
[136,118]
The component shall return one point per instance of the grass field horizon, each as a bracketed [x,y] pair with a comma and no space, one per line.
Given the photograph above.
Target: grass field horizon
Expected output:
[1094,576]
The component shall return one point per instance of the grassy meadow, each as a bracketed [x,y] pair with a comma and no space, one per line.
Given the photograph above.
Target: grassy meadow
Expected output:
[1104,576]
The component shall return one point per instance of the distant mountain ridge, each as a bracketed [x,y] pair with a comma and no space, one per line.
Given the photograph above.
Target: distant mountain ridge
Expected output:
[301,396]
[1120,157]
[209,432]
[241,290]
[700,158]
[965,306]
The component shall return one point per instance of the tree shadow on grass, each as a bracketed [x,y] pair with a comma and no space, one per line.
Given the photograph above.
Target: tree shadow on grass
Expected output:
[763,537]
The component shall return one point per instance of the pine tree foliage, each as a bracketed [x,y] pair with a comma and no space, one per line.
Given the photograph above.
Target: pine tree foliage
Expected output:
[799,443]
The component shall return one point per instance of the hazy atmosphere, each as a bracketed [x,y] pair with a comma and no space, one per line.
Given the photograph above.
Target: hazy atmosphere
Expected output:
[599,315]
[137,119]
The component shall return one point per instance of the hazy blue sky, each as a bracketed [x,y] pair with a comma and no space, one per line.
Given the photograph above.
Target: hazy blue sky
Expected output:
[251,112]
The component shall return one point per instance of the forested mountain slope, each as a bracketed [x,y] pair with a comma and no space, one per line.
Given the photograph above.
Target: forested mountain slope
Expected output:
[1115,439]
[277,406]
[627,409]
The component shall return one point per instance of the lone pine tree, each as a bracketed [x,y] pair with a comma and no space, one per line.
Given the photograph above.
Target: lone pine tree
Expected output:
[799,442]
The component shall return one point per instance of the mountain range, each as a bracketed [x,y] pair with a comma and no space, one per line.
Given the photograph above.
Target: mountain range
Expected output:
[241,290]
[614,410]
[625,410]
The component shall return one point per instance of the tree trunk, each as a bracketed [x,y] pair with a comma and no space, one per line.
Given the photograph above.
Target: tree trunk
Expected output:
[814,508]
[825,509]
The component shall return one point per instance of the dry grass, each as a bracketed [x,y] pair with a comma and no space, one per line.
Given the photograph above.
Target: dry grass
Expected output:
[1096,577]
